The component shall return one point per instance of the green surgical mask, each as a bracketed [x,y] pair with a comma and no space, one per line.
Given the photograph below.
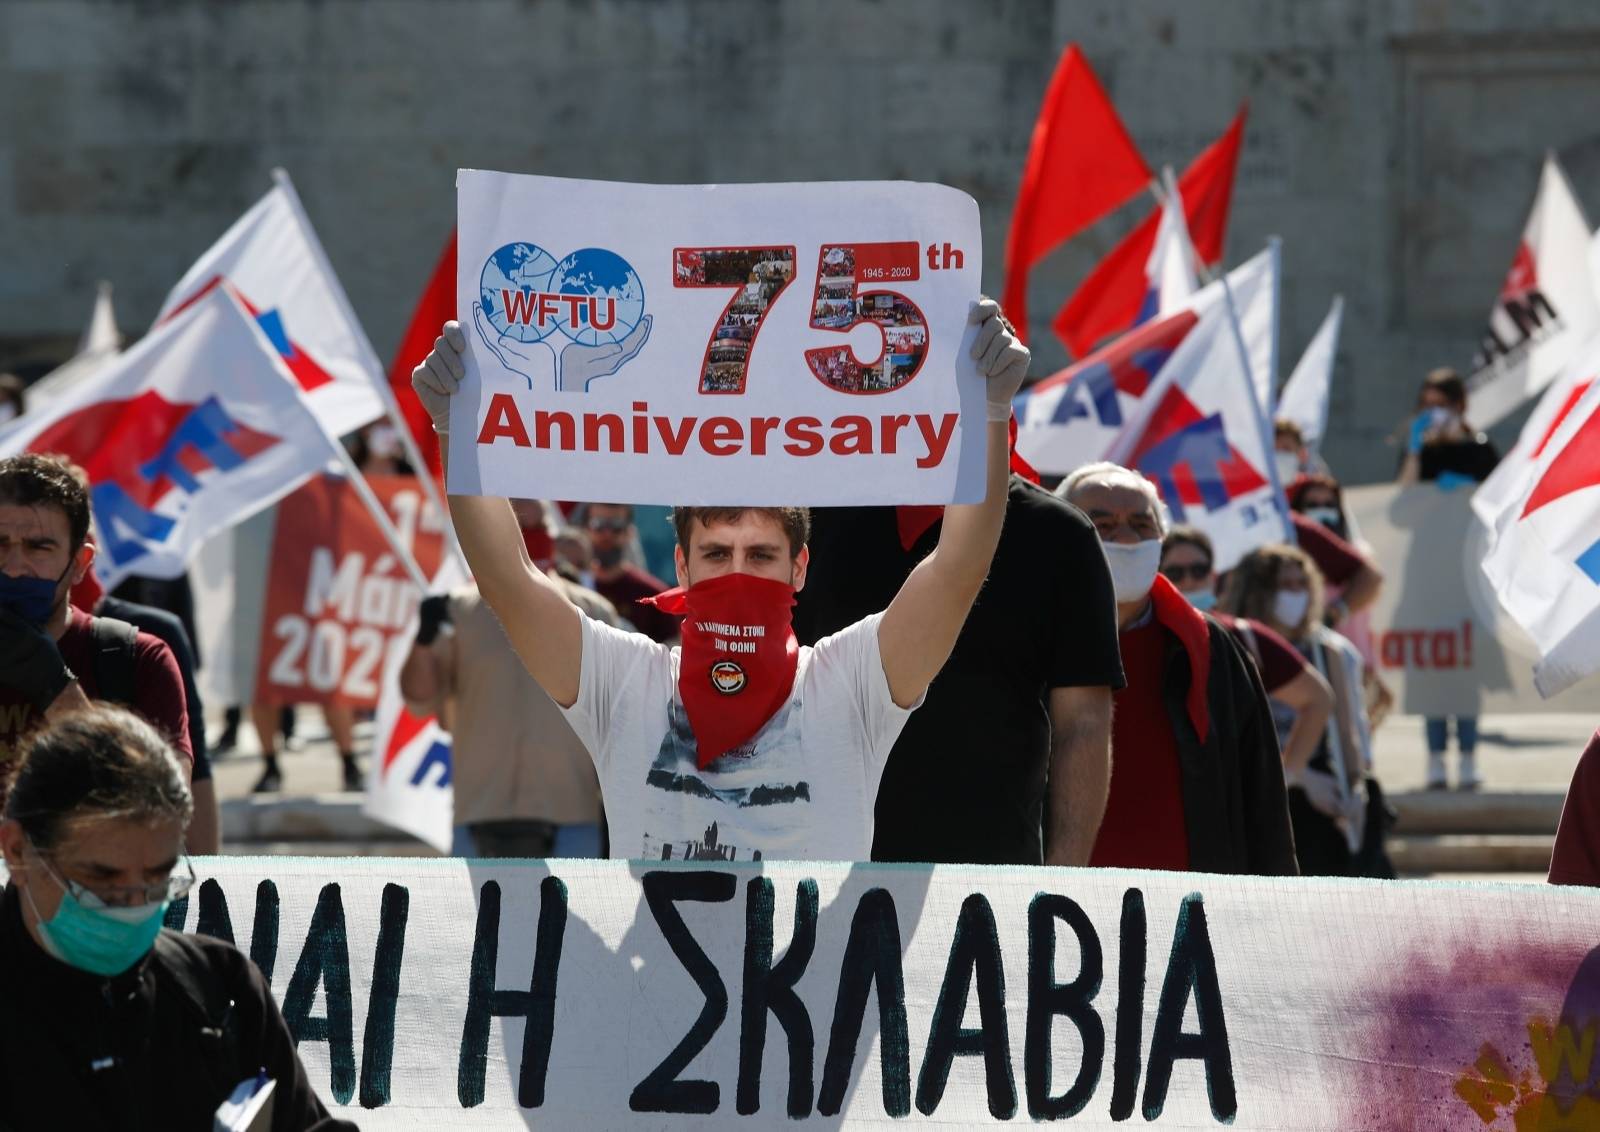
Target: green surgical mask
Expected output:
[95,938]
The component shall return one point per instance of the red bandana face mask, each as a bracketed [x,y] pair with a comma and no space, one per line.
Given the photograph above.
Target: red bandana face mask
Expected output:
[739,656]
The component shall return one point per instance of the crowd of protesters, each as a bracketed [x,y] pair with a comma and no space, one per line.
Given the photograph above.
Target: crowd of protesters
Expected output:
[1046,677]
[1108,700]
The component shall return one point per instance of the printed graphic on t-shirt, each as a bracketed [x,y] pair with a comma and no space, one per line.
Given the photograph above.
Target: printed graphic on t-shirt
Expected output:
[759,780]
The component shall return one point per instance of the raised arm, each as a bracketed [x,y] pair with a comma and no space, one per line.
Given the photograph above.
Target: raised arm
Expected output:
[922,622]
[541,624]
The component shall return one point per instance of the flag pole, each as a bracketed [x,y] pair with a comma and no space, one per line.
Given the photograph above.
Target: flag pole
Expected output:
[385,524]
[340,453]
[379,374]
[1276,245]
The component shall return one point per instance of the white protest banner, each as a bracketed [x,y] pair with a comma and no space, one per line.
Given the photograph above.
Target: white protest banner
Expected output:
[571,994]
[717,344]
[1443,643]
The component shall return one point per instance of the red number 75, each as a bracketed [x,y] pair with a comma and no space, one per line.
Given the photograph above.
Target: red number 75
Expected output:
[839,304]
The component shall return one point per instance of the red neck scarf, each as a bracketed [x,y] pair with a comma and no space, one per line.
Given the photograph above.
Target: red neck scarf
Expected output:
[739,657]
[1188,624]
[913,521]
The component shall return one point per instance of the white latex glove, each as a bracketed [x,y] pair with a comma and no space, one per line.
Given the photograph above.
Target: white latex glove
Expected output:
[1322,791]
[1001,358]
[440,374]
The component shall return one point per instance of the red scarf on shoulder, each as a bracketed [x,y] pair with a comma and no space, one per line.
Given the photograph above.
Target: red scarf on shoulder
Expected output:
[1188,624]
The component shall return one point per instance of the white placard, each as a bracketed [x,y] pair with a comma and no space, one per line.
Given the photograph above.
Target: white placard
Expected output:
[717,344]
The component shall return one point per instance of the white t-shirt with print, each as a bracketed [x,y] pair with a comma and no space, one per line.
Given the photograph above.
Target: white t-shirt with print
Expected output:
[802,789]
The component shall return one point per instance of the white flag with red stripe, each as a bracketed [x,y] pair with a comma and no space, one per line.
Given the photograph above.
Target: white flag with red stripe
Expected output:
[194,429]
[409,772]
[1560,398]
[1199,434]
[1545,560]
[1072,417]
[272,258]
[1547,305]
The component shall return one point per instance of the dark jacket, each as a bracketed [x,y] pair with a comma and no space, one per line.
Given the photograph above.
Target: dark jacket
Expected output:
[159,1046]
[1234,800]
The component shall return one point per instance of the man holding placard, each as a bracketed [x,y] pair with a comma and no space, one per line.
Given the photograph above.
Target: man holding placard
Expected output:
[740,745]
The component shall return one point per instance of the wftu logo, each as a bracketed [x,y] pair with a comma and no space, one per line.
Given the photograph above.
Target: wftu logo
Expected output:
[145,456]
[1189,457]
[587,310]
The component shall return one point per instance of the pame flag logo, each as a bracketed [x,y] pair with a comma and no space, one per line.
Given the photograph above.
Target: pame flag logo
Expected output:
[146,458]
[419,751]
[1189,455]
[587,310]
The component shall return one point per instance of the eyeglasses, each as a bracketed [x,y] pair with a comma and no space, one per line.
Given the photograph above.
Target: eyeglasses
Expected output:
[175,887]
[614,526]
[1195,571]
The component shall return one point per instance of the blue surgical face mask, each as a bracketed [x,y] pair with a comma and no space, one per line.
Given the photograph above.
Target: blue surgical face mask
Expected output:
[100,940]
[32,599]
[1327,516]
[1203,600]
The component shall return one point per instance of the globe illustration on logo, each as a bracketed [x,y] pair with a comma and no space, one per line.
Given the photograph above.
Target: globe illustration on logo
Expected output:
[615,294]
[513,276]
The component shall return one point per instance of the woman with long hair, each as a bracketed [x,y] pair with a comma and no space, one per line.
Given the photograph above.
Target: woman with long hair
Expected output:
[1280,586]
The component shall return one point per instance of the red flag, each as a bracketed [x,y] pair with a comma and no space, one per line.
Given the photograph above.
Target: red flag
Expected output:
[1081,164]
[1107,301]
[436,307]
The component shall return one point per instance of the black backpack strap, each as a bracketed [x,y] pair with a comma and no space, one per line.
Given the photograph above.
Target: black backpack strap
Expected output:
[114,644]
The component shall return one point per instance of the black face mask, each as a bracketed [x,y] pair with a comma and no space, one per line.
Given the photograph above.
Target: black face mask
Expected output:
[608,557]
[32,599]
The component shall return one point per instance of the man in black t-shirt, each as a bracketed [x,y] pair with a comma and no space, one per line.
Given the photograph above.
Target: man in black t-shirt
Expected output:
[1022,708]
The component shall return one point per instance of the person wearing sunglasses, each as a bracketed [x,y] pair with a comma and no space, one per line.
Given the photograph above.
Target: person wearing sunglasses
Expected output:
[624,585]
[108,1020]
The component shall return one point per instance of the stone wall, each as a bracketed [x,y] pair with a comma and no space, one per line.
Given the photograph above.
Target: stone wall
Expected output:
[1394,146]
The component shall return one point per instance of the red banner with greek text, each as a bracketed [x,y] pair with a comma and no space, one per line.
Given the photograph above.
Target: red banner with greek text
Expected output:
[336,595]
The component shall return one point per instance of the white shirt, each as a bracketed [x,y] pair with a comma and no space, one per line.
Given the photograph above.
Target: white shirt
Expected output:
[802,789]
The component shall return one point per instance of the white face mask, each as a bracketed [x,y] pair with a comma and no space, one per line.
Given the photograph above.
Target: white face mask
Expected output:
[1288,466]
[1289,607]
[1133,567]
[8,412]
[1440,418]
